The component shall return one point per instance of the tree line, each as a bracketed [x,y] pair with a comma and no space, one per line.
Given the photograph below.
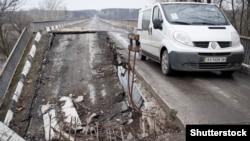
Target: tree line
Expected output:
[119,13]
[13,20]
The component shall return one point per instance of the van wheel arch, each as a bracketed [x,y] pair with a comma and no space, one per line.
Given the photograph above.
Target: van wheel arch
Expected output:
[162,50]
[165,63]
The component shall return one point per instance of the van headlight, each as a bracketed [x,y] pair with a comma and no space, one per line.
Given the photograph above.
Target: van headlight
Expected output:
[235,39]
[183,38]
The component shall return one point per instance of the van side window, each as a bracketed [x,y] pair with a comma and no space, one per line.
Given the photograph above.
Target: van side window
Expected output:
[146,19]
[157,13]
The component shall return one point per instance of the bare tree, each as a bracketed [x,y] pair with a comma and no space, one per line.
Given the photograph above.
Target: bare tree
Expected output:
[52,9]
[19,20]
[4,44]
[233,13]
[241,15]
[208,1]
[244,16]
[197,0]
[247,17]
[238,13]
[161,0]
[6,7]
[220,3]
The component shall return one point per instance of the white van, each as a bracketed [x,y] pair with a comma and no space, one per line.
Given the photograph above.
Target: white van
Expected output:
[189,37]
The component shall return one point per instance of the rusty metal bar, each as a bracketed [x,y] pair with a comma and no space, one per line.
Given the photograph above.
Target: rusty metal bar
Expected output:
[133,47]
[77,32]
[246,43]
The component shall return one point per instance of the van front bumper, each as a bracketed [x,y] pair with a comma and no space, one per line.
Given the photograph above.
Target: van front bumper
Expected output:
[196,61]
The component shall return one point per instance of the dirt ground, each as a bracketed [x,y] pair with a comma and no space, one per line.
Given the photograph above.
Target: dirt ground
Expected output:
[79,68]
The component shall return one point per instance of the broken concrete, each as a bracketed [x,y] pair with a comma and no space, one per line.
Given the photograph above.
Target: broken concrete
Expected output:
[71,117]
[83,65]
[7,134]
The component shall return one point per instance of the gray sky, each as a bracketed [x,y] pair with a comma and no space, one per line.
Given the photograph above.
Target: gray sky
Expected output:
[93,4]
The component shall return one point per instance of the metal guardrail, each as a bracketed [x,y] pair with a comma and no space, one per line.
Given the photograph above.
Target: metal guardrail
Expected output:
[127,24]
[8,70]
[132,23]
[245,41]
[13,60]
[38,26]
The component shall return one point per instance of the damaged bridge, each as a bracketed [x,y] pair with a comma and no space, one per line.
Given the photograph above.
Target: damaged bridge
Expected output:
[77,89]
[84,81]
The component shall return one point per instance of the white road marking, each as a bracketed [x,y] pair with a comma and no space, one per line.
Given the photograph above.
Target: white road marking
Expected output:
[92,93]
[103,93]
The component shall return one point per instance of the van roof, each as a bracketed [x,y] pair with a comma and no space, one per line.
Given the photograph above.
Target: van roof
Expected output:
[183,3]
[149,7]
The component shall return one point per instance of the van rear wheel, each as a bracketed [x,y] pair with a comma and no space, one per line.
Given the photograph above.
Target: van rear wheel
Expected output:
[165,64]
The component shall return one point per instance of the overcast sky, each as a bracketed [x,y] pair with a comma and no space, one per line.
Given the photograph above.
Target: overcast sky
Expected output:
[93,4]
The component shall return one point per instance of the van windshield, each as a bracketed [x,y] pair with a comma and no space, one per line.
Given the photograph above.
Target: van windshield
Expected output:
[194,14]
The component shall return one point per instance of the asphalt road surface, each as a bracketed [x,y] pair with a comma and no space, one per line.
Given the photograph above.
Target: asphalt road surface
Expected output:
[80,67]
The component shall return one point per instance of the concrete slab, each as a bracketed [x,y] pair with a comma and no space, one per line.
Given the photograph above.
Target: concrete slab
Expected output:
[6,134]
[76,30]
[50,121]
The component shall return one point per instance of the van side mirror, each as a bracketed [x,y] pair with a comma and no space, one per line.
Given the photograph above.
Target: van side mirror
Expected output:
[157,24]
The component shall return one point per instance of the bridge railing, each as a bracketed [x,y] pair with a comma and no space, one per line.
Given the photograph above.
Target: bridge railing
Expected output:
[9,68]
[38,26]
[10,65]
[245,41]
[130,25]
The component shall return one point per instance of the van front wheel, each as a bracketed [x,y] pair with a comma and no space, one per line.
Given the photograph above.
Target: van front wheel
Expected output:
[165,64]
[141,56]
